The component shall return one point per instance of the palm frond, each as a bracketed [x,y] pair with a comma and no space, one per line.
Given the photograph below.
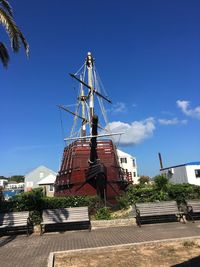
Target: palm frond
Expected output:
[4,56]
[9,24]
[13,31]
[24,42]
[7,7]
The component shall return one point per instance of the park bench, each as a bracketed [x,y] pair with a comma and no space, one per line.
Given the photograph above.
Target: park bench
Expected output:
[65,219]
[193,209]
[165,211]
[14,221]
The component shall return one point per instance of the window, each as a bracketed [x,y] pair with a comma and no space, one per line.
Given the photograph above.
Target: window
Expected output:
[51,188]
[197,173]
[134,174]
[133,162]
[29,184]
[41,174]
[123,160]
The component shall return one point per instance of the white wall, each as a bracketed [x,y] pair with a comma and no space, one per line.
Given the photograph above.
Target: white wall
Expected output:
[183,174]
[192,179]
[3,182]
[32,178]
[129,166]
[176,175]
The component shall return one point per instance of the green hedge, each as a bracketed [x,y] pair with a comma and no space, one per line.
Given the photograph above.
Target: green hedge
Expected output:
[161,190]
[26,201]
[182,192]
[152,193]
[35,200]
[70,201]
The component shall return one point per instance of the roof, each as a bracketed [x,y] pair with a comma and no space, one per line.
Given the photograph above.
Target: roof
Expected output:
[49,179]
[193,163]
[12,182]
[123,154]
[185,164]
[40,168]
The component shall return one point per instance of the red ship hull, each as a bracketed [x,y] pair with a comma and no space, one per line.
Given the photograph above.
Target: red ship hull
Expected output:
[72,178]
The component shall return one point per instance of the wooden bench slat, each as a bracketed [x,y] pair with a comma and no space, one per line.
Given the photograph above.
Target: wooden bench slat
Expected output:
[193,209]
[14,221]
[156,211]
[65,216]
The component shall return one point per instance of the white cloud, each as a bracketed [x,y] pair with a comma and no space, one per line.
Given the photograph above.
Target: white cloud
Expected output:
[173,121]
[185,107]
[135,132]
[119,107]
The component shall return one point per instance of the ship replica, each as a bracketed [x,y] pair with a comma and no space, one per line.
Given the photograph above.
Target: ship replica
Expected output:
[90,164]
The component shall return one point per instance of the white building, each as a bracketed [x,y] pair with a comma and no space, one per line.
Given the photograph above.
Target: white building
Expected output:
[14,185]
[3,182]
[128,163]
[32,178]
[48,184]
[185,173]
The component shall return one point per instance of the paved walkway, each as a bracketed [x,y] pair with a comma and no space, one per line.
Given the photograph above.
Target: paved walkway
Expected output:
[22,251]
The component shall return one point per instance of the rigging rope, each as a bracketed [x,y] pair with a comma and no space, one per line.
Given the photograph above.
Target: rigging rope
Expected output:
[75,120]
[101,104]
[84,64]
[98,85]
[61,123]
[117,145]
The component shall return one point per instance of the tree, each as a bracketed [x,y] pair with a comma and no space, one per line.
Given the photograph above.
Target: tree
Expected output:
[1,194]
[161,182]
[3,177]
[144,179]
[17,178]
[15,35]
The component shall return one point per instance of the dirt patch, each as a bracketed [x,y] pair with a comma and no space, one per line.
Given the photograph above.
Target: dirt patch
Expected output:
[162,254]
[122,214]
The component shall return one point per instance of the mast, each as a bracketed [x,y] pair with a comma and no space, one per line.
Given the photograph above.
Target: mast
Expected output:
[89,63]
[82,98]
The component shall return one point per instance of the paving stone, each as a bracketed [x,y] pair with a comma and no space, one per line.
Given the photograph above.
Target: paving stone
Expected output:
[22,251]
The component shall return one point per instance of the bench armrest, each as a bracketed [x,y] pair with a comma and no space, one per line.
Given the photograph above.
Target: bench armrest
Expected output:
[189,208]
[137,212]
[182,209]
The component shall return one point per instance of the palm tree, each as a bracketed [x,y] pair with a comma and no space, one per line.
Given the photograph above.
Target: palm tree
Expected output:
[15,35]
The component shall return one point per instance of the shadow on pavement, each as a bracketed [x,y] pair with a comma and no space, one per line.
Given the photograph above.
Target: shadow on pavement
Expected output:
[8,239]
[194,262]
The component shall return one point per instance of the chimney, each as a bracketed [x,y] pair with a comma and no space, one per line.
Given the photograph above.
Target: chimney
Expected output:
[160,159]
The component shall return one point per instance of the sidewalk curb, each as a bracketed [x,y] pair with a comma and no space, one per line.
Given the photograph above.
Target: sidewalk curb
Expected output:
[50,262]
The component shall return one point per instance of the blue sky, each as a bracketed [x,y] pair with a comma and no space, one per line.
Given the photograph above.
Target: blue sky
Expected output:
[148,56]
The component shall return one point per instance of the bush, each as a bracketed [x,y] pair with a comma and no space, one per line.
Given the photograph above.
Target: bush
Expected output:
[70,201]
[123,201]
[35,217]
[35,202]
[182,192]
[162,190]
[146,193]
[103,214]
[32,200]
[161,182]
[1,194]
[144,179]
